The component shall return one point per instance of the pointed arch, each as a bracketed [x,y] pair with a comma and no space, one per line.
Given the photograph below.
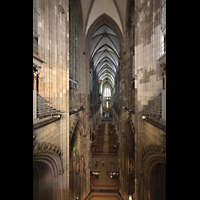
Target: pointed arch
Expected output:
[154,159]
[101,20]
[104,24]
[51,158]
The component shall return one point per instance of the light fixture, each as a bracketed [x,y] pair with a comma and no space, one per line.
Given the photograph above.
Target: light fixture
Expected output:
[143,117]
[56,116]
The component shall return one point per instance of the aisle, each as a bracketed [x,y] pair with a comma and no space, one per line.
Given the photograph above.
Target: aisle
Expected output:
[104,186]
[106,145]
[104,181]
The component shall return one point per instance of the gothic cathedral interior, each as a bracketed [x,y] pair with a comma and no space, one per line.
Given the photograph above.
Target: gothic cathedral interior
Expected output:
[99,99]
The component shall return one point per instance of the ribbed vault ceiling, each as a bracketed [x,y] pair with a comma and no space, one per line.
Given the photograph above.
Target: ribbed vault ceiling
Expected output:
[104,52]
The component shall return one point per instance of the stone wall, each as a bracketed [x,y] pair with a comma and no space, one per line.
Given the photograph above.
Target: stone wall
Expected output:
[49,133]
[148,79]
[126,99]
[126,158]
[53,46]
[149,138]
[79,122]
[139,82]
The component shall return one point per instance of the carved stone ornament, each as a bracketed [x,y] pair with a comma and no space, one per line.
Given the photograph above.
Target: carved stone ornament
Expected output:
[61,9]
[153,149]
[47,146]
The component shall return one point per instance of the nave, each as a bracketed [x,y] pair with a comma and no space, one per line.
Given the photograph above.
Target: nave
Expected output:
[104,178]
[92,57]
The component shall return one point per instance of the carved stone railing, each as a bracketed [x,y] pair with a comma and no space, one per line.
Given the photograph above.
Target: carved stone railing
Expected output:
[45,121]
[44,109]
[153,109]
[76,110]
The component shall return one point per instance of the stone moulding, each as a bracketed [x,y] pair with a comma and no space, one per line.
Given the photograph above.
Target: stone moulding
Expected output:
[151,156]
[45,121]
[50,154]
[157,123]
[153,149]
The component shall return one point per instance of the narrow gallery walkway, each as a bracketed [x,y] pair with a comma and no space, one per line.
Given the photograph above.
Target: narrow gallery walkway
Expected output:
[104,176]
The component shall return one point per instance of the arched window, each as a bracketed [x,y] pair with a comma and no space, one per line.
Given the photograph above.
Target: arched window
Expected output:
[107,92]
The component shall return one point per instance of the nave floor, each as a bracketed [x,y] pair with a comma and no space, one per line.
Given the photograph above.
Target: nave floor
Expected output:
[104,187]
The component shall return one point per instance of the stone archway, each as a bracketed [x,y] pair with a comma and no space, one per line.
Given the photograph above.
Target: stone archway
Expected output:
[78,154]
[104,19]
[158,182]
[47,168]
[154,173]
[42,181]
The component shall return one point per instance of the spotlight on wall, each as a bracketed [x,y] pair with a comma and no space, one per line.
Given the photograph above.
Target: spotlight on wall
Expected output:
[56,116]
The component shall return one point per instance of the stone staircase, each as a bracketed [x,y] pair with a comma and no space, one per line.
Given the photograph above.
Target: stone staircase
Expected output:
[153,109]
[44,109]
